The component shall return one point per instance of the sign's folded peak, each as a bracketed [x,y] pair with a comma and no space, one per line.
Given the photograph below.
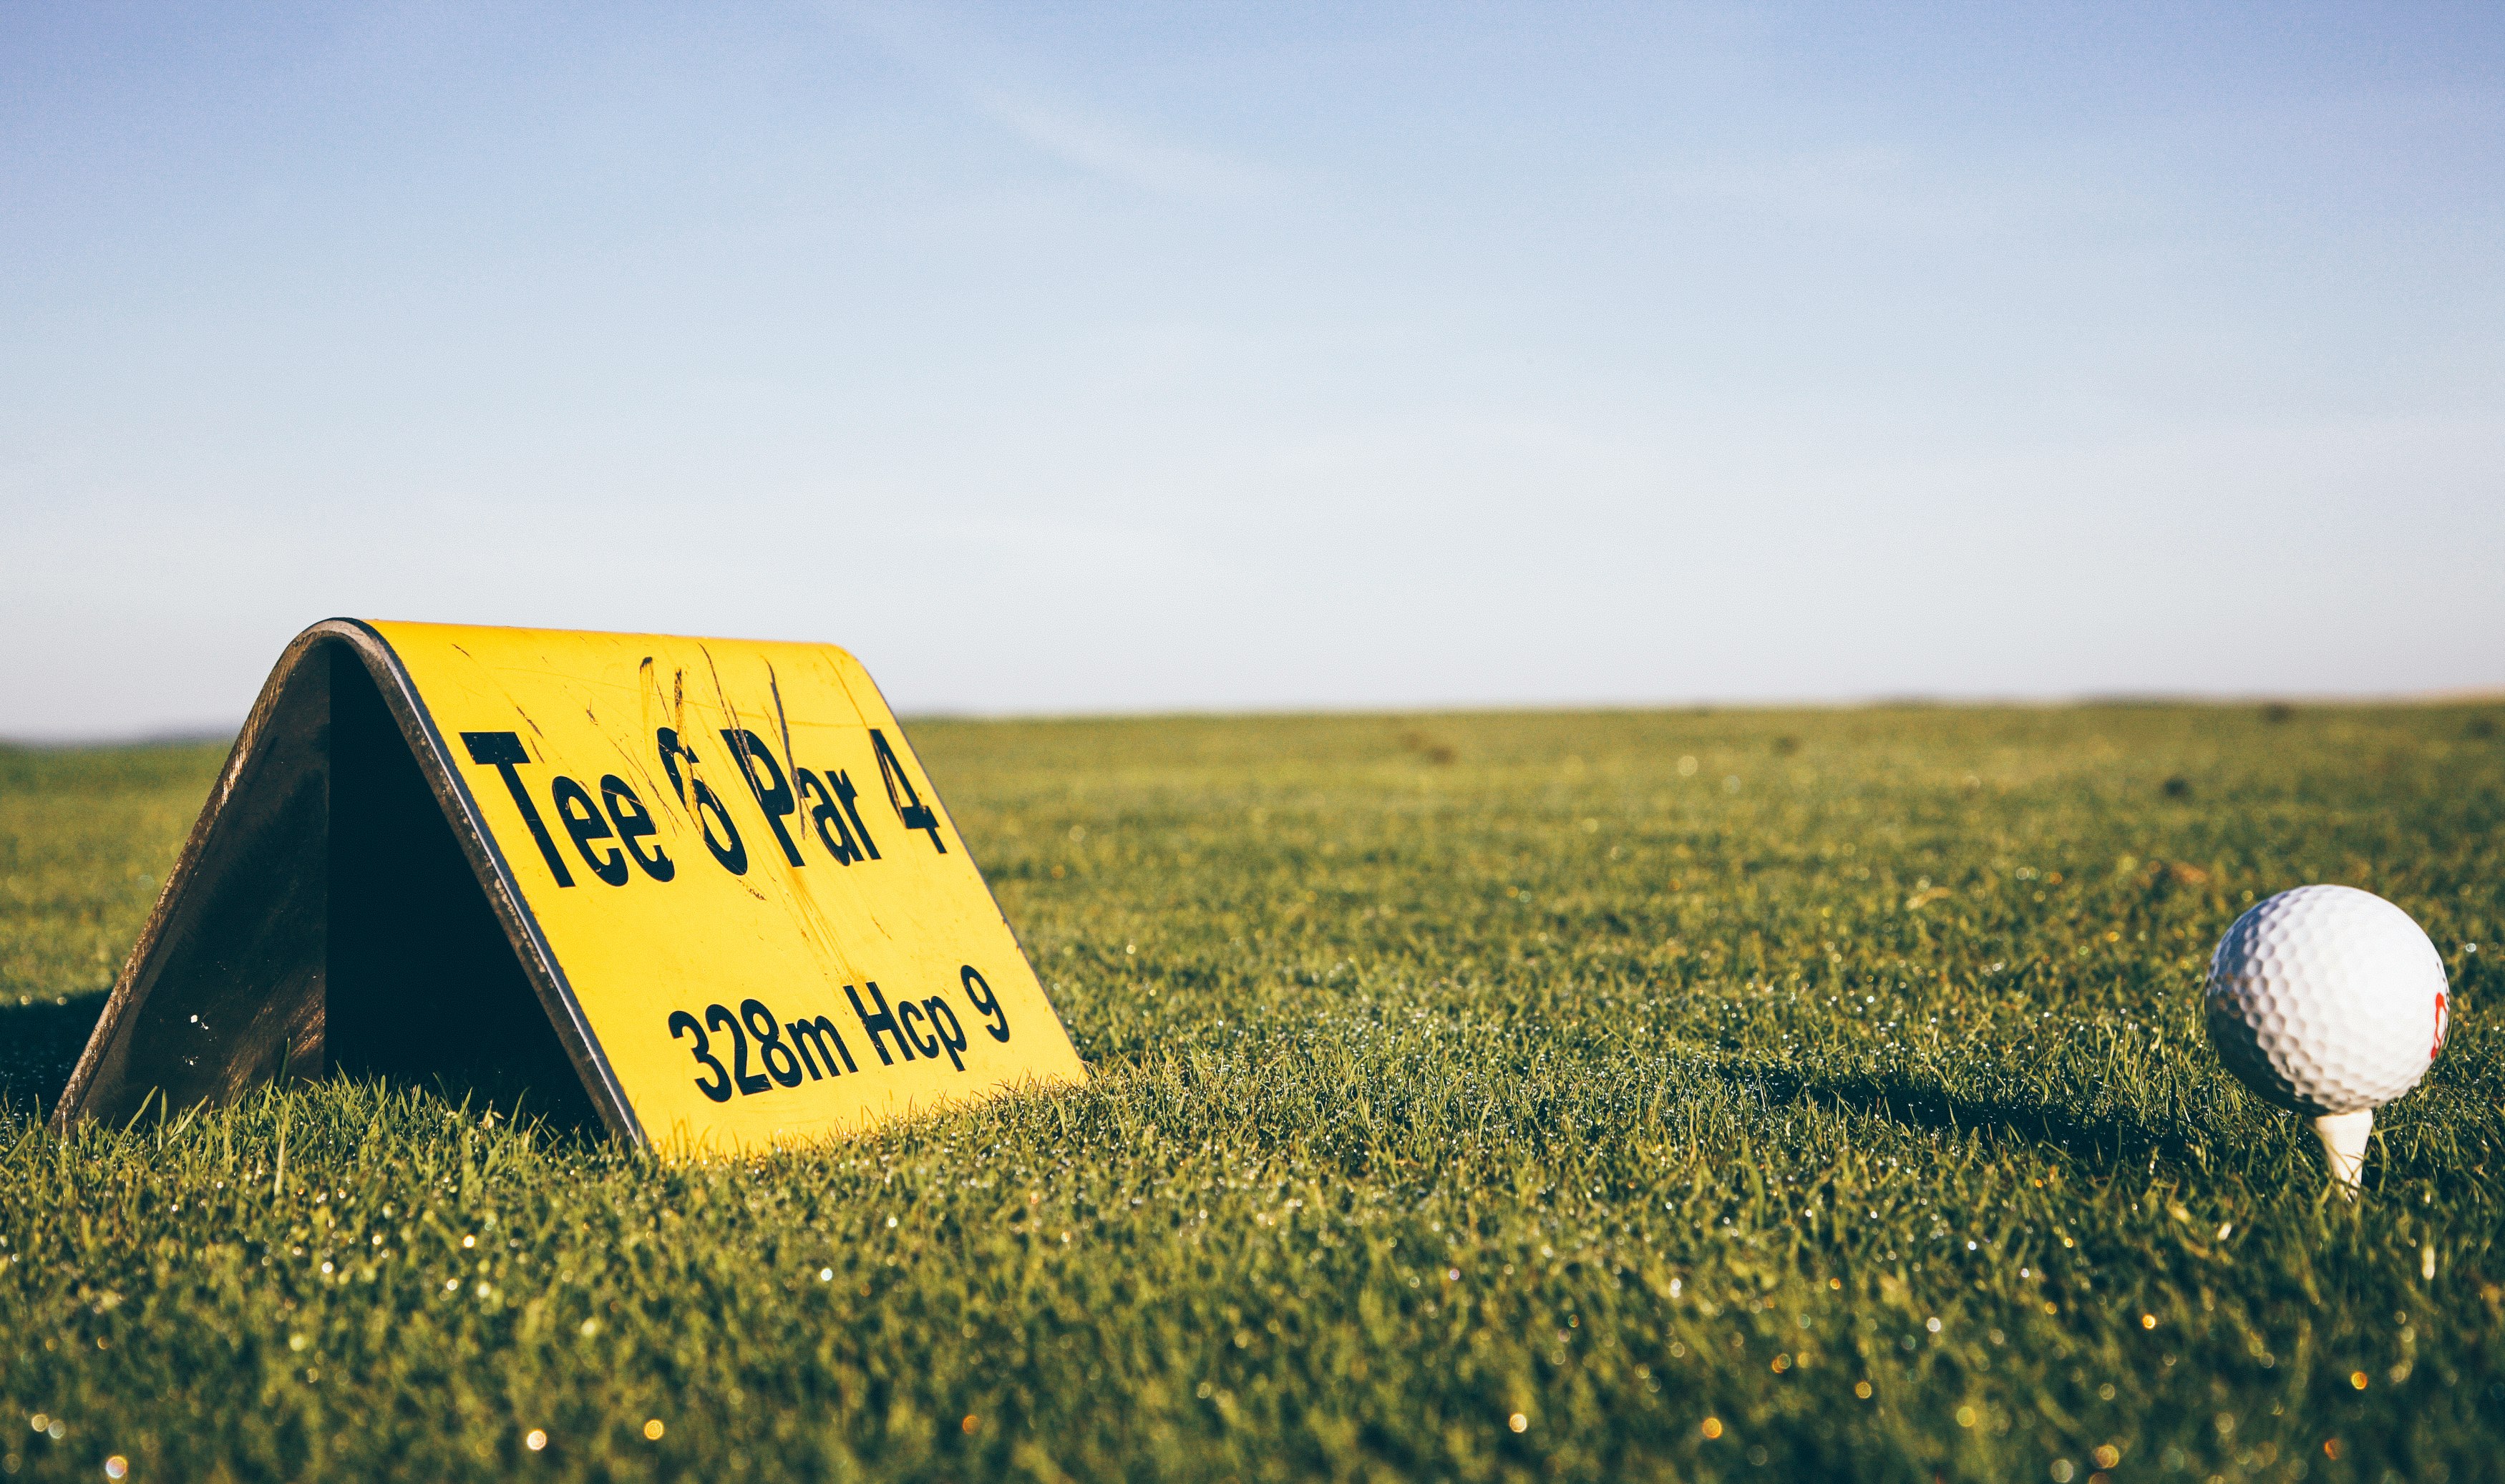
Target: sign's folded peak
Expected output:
[716,865]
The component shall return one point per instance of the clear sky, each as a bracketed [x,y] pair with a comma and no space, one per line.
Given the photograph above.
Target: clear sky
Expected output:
[1074,359]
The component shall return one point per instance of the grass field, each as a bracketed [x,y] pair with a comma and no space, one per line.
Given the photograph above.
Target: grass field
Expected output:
[1743,1095]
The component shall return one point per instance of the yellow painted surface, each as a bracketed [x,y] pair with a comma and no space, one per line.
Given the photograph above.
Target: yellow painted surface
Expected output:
[738,933]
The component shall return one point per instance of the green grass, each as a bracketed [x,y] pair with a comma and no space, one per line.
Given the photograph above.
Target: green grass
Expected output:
[1666,1081]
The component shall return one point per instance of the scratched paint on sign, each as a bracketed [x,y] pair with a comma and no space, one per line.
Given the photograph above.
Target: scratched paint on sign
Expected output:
[771,928]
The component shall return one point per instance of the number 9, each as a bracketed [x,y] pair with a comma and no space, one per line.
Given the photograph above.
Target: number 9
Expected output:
[980,993]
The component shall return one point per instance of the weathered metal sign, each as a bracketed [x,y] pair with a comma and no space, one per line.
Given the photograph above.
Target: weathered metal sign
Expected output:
[716,868]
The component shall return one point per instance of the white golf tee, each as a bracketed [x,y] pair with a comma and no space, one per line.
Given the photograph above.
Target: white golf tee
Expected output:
[2344,1142]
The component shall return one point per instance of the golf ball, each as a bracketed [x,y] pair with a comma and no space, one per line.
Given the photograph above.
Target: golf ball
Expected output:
[2327,1000]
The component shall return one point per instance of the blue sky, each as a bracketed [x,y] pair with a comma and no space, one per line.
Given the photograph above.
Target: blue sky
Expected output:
[1102,357]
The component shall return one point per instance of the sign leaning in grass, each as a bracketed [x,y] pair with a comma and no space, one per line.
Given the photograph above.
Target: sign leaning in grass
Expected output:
[699,889]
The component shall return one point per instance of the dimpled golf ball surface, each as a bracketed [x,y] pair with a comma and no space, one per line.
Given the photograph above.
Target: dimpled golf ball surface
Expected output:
[2326,999]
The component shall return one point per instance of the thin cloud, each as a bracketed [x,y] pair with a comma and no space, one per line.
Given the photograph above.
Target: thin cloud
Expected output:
[1078,135]
[1120,153]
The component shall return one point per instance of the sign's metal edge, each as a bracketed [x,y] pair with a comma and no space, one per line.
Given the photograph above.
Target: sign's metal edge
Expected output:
[487,859]
[1016,939]
[113,1022]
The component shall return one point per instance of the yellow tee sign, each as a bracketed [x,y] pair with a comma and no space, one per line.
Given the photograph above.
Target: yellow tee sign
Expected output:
[718,863]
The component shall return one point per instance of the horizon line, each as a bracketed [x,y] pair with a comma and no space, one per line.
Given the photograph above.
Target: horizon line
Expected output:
[207,734]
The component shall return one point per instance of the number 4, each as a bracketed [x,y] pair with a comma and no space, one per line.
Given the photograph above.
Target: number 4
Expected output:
[909,806]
